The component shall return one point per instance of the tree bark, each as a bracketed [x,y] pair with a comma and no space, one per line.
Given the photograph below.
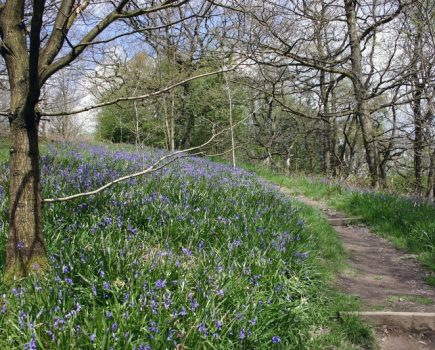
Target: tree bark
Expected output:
[25,250]
[230,111]
[431,177]
[189,127]
[360,92]
[417,95]
[25,247]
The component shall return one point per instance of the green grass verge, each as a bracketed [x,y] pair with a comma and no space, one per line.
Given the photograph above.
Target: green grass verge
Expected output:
[407,222]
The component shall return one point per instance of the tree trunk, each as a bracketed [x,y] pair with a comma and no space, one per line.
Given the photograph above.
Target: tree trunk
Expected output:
[25,247]
[326,125]
[360,92]
[383,175]
[186,140]
[25,251]
[418,149]
[369,144]
[431,177]
[172,124]
[230,102]
[417,95]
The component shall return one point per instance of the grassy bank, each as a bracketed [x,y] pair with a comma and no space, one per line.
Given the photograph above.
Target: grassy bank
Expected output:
[197,255]
[409,223]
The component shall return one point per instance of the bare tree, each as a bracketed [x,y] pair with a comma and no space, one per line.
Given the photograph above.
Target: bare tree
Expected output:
[62,95]
[336,39]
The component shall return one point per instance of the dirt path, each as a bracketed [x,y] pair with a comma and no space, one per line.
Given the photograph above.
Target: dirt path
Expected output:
[385,278]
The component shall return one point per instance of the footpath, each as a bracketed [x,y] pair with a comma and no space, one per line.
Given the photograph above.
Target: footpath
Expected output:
[388,282]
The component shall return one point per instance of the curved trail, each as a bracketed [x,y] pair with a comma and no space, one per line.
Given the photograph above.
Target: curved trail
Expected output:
[383,277]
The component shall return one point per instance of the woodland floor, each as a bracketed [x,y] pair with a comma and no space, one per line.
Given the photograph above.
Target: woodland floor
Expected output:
[384,278]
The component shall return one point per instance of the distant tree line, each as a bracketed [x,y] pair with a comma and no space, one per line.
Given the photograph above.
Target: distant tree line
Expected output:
[338,88]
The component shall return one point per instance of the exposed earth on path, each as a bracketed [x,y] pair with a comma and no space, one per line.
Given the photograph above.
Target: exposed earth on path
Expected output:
[384,278]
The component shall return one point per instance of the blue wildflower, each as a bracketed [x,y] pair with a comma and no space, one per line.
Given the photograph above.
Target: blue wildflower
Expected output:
[220,292]
[202,328]
[106,285]
[160,284]
[242,334]
[276,339]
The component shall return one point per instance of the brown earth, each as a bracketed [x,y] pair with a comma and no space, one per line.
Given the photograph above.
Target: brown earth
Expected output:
[384,278]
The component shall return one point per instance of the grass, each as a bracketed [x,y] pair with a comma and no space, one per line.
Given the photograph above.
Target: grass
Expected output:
[409,223]
[413,298]
[195,256]
[4,149]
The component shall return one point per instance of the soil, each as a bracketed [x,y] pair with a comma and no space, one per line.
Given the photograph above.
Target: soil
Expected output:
[384,278]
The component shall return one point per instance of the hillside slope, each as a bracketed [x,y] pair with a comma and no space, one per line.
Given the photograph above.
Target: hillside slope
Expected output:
[197,255]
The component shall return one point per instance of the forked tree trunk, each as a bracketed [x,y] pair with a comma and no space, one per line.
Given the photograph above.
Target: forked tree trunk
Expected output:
[25,251]
[25,247]
[360,92]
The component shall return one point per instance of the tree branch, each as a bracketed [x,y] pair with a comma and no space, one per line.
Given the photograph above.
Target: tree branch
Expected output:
[116,14]
[140,97]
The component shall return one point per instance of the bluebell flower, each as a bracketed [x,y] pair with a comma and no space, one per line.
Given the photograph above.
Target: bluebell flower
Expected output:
[202,328]
[186,251]
[201,245]
[32,344]
[276,339]
[106,285]
[194,305]
[220,292]
[143,347]
[183,311]
[242,334]
[160,284]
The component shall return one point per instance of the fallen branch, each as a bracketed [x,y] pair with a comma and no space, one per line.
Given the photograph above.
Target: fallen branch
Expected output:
[152,168]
